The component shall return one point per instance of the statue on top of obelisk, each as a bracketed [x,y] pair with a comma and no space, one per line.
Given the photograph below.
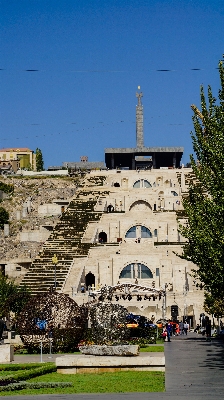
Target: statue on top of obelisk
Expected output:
[139,121]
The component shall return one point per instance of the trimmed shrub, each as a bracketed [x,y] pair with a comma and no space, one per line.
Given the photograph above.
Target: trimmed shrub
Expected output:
[27,374]
[34,385]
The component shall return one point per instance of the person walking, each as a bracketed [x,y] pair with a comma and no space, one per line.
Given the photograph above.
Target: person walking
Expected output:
[186,326]
[169,329]
[181,327]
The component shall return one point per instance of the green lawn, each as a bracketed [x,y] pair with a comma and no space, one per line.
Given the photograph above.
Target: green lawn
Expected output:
[152,349]
[117,382]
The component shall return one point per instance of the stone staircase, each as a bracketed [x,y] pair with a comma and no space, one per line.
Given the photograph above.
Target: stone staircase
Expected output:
[66,243]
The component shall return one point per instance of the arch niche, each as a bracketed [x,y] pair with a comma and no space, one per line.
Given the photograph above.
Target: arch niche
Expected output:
[140,205]
[90,280]
[102,237]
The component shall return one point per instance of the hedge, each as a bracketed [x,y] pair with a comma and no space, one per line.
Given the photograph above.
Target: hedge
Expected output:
[32,373]
[34,385]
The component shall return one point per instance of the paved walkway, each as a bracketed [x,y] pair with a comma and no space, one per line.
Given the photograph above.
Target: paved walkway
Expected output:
[194,370]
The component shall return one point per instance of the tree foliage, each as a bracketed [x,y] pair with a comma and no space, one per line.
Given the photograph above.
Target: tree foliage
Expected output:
[39,160]
[12,297]
[4,217]
[204,206]
[214,306]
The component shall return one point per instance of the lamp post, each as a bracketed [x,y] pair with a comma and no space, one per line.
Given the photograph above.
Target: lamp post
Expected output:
[55,261]
[164,304]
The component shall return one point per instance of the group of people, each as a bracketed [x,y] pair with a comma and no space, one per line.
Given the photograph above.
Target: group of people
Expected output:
[175,329]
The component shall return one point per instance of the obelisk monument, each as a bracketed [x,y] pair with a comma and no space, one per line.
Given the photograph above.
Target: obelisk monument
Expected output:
[139,121]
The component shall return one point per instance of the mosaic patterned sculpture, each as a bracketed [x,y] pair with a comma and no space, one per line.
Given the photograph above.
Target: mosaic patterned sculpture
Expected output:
[108,320]
[52,318]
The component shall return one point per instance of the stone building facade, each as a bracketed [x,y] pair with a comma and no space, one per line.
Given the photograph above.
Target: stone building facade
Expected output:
[135,241]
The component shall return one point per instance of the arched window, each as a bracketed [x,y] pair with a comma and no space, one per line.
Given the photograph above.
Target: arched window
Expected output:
[136,184]
[145,232]
[136,270]
[138,231]
[146,184]
[127,272]
[116,184]
[174,193]
[131,233]
[142,183]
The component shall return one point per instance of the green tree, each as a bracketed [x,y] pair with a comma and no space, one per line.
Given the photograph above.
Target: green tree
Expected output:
[39,160]
[12,297]
[204,206]
[4,217]
[214,306]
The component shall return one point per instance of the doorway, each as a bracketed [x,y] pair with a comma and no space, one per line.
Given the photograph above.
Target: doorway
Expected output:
[102,237]
[90,280]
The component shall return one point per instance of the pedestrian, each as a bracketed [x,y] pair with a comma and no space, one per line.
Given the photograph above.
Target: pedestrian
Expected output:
[186,326]
[169,330]
[181,327]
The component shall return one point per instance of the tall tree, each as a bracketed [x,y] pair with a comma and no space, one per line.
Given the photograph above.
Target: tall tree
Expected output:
[39,160]
[204,206]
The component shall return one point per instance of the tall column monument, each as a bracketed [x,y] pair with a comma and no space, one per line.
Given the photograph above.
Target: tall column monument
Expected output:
[139,121]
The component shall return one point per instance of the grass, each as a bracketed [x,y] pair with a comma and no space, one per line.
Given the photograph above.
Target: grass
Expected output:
[117,382]
[152,349]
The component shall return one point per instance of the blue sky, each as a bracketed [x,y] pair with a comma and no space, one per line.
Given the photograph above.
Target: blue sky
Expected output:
[90,57]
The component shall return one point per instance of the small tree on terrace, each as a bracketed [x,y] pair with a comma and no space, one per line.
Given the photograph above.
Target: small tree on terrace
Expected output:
[4,217]
[39,160]
[204,206]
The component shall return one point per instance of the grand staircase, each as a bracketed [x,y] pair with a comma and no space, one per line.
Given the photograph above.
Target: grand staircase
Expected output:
[65,242]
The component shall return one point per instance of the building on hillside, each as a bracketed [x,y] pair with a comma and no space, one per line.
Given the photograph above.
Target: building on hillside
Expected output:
[18,158]
[121,227]
[135,242]
[84,165]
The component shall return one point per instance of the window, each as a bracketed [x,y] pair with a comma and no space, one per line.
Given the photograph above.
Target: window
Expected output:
[174,193]
[138,231]
[146,184]
[145,232]
[157,271]
[127,272]
[142,183]
[155,232]
[136,184]
[136,270]
[131,233]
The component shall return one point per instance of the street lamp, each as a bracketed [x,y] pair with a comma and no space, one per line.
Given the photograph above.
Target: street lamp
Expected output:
[55,261]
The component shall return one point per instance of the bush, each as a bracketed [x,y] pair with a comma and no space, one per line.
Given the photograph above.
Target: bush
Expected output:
[27,374]
[34,385]
[147,334]
[4,217]
[6,188]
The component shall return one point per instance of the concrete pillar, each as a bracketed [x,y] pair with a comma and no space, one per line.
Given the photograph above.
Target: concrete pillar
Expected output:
[182,180]
[133,162]
[112,161]
[154,161]
[174,160]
